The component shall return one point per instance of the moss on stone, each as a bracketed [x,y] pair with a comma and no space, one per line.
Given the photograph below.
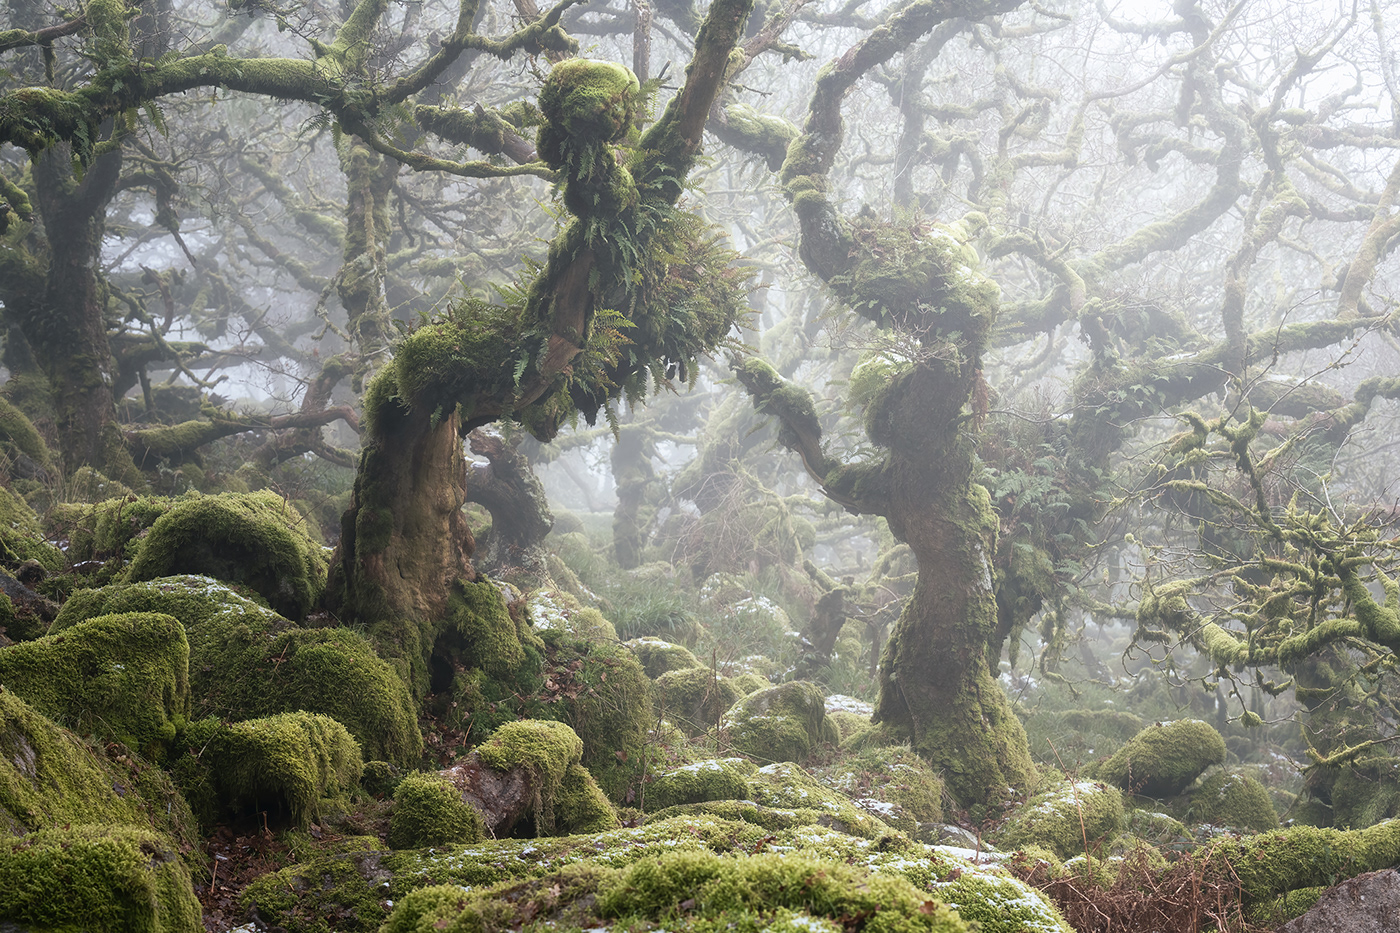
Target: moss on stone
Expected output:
[749,682]
[429,811]
[783,723]
[695,698]
[255,539]
[786,785]
[580,806]
[1366,792]
[1161,760]
[123,676]
[1066,819]
[1234,798]
[17,432]
[1157,828]
[285,764]
[112,528]
[720,779]
[891,782]
[247,662]
[658,657]
[1272,863]
[103,879]
[22,537]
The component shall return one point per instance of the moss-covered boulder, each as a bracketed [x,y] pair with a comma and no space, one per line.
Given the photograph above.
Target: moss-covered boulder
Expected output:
[113,529]
[1232,797]
[122,676]
[1066,819]
[892,782]
[49,777]
[657,657]
[22,537]
[285,765]
[695,698]
[783,723]
[749,682]
[580,806]
[255,539]
[1161,760]
[565,796]
[429,811]
[98,879]
[247,662]
[787,786]
[720,779]
[561,611]
[1269,864]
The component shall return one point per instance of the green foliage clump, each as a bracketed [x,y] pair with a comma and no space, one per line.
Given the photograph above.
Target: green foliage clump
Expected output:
[429,811]
[102,879]
[1067,819]
[288,762]
[1234,798]
[21,537]
[658,657]
[782,723]
[255,539]
[124,676]
[112,528]
[1161,760]
[892,782]
[720,779]
[247,662]
[695,698]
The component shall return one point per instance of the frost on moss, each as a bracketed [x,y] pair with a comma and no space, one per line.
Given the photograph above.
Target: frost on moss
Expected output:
[48,777]
[21,537]
[721,779]
[785,785]
[122,676]
[102,879]
[285,764]
[783,723]
[658,657]
[430,811]
[247,662]
[1161,760]
[695,698]
[255,539]
[1234,798]
[891,782]
[1067,818]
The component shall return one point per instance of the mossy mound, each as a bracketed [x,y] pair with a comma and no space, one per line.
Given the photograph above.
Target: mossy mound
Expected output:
[123,676]
[113,528]
[1161,760]
[721,779]
[785,785]
[1366,792]
[892,782]
[569,800]
[783,723]
[429,811]
[749,682]
[695,698]
[580,806]
[284,765]
[1233,798]
[1159,829]
[1270,864]
[101,879]
[22,537]
[255,539]
[18,438]
[658,657]
[49,777]
[561,611]
[1067,818]
[247,662]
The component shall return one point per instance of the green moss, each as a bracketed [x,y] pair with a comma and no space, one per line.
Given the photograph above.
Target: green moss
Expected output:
[248,662]
[255,539]
[1233,798]
[493,642]
[749,682]
[1066,819]
[286,763]
[1366,792]
[544,748]
[580,806]
[695,698]
[113,528]
[1161,760]
[121,676]
[782,723]
[847,723]
[1273,863]
[429,811]
[722,779]
[1156,828]
[787,786]
[103,879]
[17,432]
[892,782]
[658,657]
[21,537]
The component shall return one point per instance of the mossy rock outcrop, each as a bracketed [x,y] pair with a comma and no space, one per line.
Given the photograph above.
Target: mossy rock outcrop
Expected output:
[658,657]
[247,662]
[49,777]
[255,539]
[695,698]
[22,537]
[98,879]
[719,779]
[429,811]
[783,723]
[1163,759]
[1066,818]
[122,676]
[1234,798]
[283,765]
[785,785]
[114,528]
[563,796]
[892,782]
